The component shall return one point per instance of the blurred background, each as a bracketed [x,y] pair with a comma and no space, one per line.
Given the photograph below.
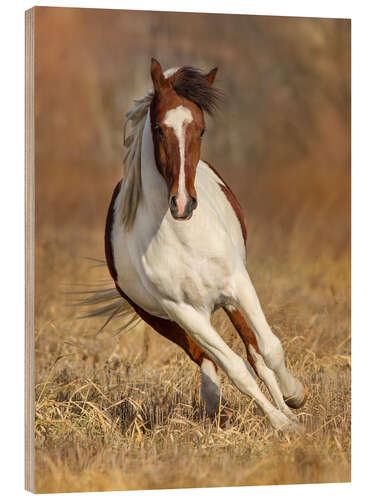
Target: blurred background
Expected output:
[281,140]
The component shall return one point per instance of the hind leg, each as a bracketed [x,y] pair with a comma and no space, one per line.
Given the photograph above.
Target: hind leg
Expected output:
[256,359]
[210,380]
[269,345]
[210,386]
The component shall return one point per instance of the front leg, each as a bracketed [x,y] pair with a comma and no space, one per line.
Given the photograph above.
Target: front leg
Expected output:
[198,324]
[270,346]
[256,360]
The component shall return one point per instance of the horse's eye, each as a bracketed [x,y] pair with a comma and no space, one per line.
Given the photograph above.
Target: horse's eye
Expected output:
[203,131]
[159,130]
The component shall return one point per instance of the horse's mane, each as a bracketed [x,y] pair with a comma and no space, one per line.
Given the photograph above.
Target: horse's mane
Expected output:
[131,186]
[187,82]
[190,83]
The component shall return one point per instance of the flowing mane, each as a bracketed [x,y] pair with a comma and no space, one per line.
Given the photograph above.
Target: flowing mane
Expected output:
[187,82]
[131,186]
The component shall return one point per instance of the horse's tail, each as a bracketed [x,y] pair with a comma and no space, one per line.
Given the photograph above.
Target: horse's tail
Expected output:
[103,300]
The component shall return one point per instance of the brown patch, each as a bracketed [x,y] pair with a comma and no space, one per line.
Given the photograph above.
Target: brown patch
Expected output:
[245,332]
[169,329]
[108,234]
[233,201]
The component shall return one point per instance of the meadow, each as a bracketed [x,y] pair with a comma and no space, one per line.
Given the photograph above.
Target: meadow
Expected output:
[124,412]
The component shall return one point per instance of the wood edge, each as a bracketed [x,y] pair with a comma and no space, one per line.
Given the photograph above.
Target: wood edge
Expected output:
[29,246]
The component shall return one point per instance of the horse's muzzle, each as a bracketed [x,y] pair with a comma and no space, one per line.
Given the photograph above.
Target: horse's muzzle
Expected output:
[182,212]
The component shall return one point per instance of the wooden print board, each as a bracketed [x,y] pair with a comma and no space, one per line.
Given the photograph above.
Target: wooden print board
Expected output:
[129,411]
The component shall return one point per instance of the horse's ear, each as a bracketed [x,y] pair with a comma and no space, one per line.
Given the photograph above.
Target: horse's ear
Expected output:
[158,79]
[210,77]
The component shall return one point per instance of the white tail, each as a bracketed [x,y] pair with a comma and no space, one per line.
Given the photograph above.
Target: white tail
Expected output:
[107,302]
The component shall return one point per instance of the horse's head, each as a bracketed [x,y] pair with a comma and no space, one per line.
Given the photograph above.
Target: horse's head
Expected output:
[177,125]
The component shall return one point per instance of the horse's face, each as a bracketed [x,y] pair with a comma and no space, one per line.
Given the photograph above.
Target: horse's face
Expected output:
[177,129]
[177,126]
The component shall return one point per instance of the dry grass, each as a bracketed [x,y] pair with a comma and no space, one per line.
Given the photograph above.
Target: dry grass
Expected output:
[124,412]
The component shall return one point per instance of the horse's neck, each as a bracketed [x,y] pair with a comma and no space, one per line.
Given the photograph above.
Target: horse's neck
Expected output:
[154,189]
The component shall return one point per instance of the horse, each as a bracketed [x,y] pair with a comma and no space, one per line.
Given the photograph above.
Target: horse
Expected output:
[175,247]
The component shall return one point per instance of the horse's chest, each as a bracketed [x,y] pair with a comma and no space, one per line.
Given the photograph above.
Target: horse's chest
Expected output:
[192,262]
[196,272]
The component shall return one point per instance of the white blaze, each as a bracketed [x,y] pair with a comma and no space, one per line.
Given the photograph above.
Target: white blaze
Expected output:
[178,119]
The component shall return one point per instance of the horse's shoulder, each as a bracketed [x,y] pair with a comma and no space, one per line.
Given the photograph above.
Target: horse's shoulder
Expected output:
[235,204]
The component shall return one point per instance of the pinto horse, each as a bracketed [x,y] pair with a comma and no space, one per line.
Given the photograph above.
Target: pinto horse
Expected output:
[175,245]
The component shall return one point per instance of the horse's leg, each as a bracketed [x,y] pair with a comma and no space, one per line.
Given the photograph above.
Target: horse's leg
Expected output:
[269,345]
[256,359]
[210,380]
[198,324]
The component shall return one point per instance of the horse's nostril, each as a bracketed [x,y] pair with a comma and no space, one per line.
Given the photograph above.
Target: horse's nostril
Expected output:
[173,201]
[194,203]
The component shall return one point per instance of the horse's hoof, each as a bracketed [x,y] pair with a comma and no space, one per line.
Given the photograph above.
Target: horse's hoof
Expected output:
[297,400]
[280,422]
[288,426]
[285,409]
[294,428]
